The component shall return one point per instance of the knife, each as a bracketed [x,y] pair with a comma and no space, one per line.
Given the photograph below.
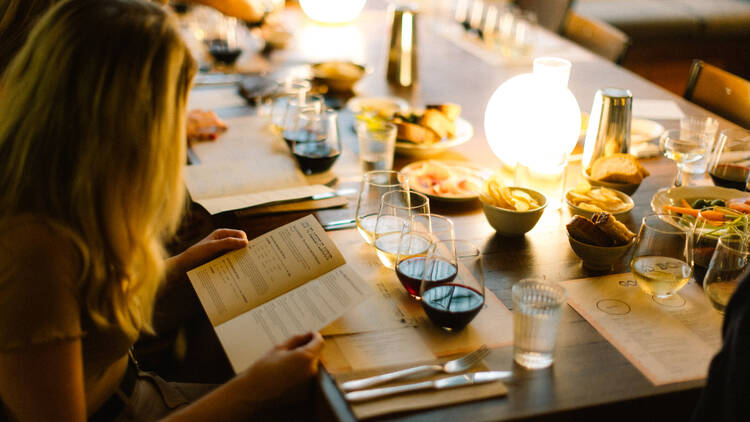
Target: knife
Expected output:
[439,384]
[315,197]
[340,224]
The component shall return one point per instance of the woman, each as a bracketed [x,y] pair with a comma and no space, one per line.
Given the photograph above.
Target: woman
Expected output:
[91,153]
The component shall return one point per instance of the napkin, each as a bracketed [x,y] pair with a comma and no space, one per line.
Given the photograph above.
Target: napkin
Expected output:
[657,109]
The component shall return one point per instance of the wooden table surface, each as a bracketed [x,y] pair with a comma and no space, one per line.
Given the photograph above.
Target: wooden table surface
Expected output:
[589,378]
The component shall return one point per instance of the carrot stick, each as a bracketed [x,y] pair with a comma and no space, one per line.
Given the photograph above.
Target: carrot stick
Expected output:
[738,206]
[685,203]
[712,215]
[682,210]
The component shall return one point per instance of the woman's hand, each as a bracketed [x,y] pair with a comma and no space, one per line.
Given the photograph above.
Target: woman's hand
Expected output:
[204,125]
[213,245]
[286,365]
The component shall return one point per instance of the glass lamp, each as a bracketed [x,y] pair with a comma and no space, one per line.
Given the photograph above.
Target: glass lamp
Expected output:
[532,123]
[332,11]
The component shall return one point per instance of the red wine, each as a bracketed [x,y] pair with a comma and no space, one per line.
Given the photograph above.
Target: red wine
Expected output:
[410,272]
[730,176]
[315,157]
[221,51]
[452,306]
[293,136]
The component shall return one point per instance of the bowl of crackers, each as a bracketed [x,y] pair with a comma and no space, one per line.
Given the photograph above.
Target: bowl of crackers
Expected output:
[511,210]
[621,172]
[586,200]
[339,76]
[600,241]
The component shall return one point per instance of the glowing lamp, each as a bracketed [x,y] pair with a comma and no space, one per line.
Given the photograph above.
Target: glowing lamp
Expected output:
[332,11]
[532,123]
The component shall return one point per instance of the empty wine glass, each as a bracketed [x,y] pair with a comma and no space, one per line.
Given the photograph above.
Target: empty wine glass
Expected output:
[417,237]
[662,261]
[288,90]
[452,291]
[681,151]
[729,166]
[317,143]
[396,209]
[726,269]
[374,184]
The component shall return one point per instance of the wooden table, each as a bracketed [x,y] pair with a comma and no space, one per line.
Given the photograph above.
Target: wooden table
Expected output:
[590,378]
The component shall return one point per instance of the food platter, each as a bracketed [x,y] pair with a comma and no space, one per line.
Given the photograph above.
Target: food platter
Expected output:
[387,105]
[464,132]
[674,196]
[445,180]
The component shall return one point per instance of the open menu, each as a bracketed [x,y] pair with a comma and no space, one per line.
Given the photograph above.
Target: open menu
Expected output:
[286,282]
[668,340]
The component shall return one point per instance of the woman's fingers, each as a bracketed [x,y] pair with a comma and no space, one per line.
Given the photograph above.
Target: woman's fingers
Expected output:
[297,341]
[224,233]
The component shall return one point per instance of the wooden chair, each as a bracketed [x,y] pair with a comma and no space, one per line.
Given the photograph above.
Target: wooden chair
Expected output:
[720,92]
[597,36]
[550,13]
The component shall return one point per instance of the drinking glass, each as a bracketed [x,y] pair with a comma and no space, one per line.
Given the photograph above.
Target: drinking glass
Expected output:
[374,185]
[681,151]
[317,144]
[288,90]
[452,291]
[662,261]
[417,237]
[726,269]
[377,143]
[226,44]
[296,106]
[396,209]
[729,165]
[703,128]
[537,310]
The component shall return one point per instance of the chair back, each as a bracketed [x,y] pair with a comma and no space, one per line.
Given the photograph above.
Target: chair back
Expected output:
[550,13]
[597,36]
[720,92]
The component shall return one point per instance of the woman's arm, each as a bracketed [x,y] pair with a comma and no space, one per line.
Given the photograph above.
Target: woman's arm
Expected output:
[44,383]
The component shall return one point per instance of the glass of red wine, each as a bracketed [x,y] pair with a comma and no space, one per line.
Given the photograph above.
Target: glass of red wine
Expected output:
[451,298]
[417,236]
[317,144]
[729,166]
[226,46]
[299,107]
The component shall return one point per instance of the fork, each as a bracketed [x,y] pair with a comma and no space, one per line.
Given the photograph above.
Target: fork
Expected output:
[451,367]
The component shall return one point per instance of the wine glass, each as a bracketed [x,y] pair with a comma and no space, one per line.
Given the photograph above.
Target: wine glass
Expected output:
[396,209]
[682,151]
[296,106]
[316,143]
[416,238]
[374,185]
[226,45]
[726,270]
[729,166]
[452,291]
[703,127]
[662,261]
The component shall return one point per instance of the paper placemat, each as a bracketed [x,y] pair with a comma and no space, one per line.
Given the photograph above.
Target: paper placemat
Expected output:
[668,340]
[423,399]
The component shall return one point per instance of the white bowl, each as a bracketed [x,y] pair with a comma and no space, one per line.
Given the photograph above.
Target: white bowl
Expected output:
[514,223]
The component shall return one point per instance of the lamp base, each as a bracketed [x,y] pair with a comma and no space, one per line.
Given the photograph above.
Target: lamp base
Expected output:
[551,182]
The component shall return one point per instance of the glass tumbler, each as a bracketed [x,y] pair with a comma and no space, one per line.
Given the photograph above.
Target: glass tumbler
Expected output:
[396,209]
[726,269]
[703,128]
[374,185]
[537,310]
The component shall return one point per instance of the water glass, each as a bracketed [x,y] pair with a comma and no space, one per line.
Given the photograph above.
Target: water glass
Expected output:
[681,151]
[396,209]
[726,269]
[537,310]
[377,142]
[703,128]
[317,141]
[662,261]
[729,165]
[374,185]
[452,287]
[417,237]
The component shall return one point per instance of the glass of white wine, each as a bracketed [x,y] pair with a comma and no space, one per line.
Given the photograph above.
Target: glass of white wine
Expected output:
[682,150]
[396,210]
[726,269]
[662,260]
[374,185]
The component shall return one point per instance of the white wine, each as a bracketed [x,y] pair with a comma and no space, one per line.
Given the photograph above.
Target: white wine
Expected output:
[660,275]
[366,227]
[719,293]
[387,247]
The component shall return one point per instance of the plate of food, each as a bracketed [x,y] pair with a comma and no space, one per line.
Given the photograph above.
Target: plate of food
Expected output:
[445,180]
[382,106]
[432,130]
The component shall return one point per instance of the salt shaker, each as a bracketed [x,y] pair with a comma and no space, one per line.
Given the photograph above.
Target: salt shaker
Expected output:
[402,52]
[609,125]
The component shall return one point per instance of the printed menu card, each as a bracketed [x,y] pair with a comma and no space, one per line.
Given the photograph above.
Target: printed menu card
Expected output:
[668,340]
[286,282]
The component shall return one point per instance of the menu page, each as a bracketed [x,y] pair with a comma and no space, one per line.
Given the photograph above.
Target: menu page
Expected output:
[246,200]
[668,340]
[270,265]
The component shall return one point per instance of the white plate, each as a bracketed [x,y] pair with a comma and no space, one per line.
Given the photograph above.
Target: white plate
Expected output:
[642,130]
[395,104]
[475,171]
[673,196]
[464,132]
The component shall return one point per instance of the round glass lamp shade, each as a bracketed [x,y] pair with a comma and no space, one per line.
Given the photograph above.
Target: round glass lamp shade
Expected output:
[533,119]
[332,11]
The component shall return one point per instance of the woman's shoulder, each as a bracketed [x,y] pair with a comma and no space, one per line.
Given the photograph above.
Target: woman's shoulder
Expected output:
[34,238]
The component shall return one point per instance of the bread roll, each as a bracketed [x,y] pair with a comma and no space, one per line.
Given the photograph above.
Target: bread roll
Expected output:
[618,168]
[614,229]
[584,230]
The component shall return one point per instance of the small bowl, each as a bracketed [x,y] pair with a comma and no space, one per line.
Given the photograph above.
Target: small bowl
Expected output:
[628,188]
[576,210]
[514,223]
[599,257]
[337,75]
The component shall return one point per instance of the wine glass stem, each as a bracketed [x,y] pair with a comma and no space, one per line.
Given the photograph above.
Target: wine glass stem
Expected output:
[678,177]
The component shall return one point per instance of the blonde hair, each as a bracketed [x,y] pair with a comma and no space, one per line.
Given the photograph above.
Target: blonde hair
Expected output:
[92,136]
[17,17]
